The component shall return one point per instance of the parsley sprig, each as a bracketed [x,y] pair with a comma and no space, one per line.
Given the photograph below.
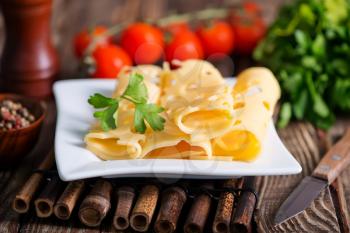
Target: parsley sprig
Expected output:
[136,92]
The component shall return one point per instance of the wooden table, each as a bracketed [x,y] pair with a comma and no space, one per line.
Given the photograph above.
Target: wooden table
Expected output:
[329,213]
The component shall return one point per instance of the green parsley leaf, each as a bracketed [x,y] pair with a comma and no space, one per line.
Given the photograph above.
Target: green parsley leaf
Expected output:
[148,113]
[319,106]
[300,104]
[100,101]
[308,48]
[151,115]
[136,91]
[139,122]
[285,115]
[109,115]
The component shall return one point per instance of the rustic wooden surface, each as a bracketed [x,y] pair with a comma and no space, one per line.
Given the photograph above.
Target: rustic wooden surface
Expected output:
[329,213]
[301,141]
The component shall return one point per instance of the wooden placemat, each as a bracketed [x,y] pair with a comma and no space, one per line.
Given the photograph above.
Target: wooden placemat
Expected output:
[207,205]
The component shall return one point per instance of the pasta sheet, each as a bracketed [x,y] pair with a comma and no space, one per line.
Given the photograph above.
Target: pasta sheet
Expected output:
[255,95]
[205,117]
[198,100]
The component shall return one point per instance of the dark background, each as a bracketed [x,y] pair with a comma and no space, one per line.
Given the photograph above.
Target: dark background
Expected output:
[70,16]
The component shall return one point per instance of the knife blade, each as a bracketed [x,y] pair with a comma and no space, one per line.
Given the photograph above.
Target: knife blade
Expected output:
[331,165]
[302,196]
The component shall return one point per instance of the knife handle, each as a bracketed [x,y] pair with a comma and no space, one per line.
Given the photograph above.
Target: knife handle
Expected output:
[335,160]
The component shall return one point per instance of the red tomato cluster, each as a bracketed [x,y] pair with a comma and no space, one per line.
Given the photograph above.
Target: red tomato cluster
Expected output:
[142,43]
[217,38]
[248,27]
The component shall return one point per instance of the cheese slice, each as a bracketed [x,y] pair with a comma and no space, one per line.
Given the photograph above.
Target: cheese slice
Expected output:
[171,141]
[255,94]
[198,100]
[244,140]
[258,81]
[181,150]
[120,143]
[192,75]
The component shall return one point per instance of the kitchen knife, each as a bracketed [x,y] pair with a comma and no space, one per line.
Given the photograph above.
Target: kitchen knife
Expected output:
[331,165]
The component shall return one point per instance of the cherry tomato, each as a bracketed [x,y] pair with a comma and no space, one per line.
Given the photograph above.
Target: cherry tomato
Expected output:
[216,38]
[248,27]
[247,10]
[248,35]
[183,46]
[143,42]
[85,37]
[252,8]
[109,59]
[175,28]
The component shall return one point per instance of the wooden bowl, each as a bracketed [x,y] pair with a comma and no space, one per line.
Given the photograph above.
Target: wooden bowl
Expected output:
[16,144]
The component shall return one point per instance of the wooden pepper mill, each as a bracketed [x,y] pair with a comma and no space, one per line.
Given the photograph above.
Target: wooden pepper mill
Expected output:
[29,62]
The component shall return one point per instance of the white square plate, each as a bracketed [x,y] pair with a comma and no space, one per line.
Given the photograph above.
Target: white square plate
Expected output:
[74,161]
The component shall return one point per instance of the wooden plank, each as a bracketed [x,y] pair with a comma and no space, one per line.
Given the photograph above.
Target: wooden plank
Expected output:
[326,140]
[33,224]
[345,180]
[12,180]
[153,9]
[341,187]
[339,201]
[181,6]
[29,222]
[9,220]
[301,140]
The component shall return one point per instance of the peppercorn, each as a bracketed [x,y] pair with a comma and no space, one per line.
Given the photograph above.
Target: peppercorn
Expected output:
[14,115]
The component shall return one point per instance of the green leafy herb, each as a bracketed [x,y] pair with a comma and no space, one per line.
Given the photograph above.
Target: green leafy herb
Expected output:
[100,101]
[285,115]
[135,92]
[148,113]
[107,116]
[308,48]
